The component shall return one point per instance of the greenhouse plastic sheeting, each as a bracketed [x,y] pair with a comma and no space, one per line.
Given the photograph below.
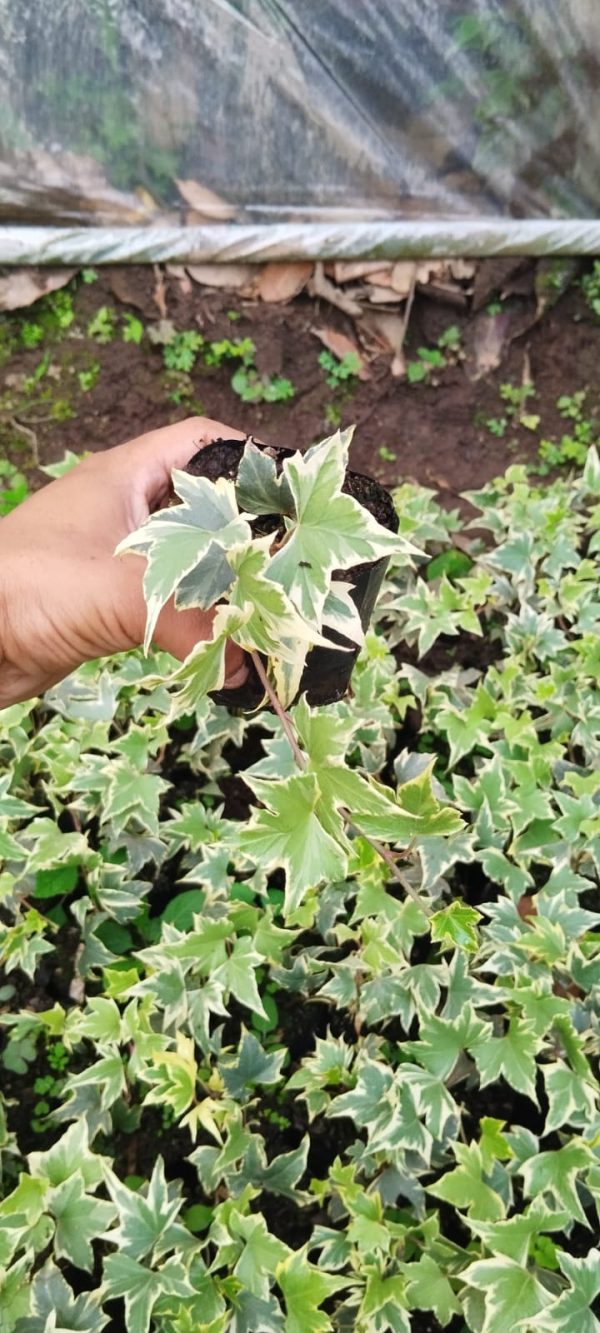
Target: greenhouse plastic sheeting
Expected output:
[254,129]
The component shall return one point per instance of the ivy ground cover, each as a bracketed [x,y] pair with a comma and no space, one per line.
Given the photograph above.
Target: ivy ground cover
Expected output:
[257,1076]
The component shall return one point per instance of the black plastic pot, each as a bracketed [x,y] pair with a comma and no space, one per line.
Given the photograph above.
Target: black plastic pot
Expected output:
[327,672]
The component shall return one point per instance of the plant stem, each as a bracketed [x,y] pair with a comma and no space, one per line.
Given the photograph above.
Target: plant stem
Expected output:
[390,861]
[278,708]
[300,758]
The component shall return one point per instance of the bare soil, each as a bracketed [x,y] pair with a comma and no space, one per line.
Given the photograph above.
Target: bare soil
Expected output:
[437,431]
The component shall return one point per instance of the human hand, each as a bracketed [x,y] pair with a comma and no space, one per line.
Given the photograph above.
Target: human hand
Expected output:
[64,598]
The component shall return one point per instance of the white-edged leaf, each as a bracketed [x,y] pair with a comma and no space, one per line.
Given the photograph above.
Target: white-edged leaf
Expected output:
[176,540]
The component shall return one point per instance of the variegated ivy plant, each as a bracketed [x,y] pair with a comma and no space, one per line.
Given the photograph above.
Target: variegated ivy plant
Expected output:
[276,594]
[363,1099]
[277,597]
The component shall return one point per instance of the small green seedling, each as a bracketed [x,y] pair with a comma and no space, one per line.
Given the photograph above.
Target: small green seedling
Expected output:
[339,370]
[515,397]
[572,448]
[88,378]
[31,334]
[254,388]
[387,455]
[181,352]
[133,329]
[102,327]
[429,359]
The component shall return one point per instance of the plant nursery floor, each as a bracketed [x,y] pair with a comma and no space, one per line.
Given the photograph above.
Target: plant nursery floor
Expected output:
[452,431]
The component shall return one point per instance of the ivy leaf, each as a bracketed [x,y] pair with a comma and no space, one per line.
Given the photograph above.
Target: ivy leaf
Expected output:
[511,1057]
[556,1173]
[258,488]
[141,1287]
[187,542]
[428,1288]
[260,1255]
[204,667]
[289,834]
[173,1076]
[250,1066]
[238,975]
[130,793]
[465,1187]
[68,1155]
[417,813]
[513,1236]
[325,738]
[79,1219]
[143,1217]
[279,1176]
[441,1040]
[304,1289]
[273,626]
[52,1299]
[329,530]
[340,613]
[571,1312]
[454,926]
[572,1097]
[511,1295]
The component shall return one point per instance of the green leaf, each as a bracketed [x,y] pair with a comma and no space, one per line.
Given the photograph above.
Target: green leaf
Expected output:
[428,1288]
[272,621]
[513,1237]
[304,1289]
[465,1187]
[454,926]
[130,793]
[571,1312]
[259,490]
[260,1255]
[556,1173]
[329,530]
[204,667]
[140,1287]
[144,1217]
[50,883]
[511,1057]
[249,1067]
[441,1040]
[70,1154]
[289,834]
[238,975]
[79,1220]
[417,813]
[512,1295]
[184,546]
[572,1097]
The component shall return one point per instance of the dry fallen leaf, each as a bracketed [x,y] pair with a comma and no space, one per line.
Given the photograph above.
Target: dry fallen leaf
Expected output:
[319,285]
[382,295]
[205,202]
[404,276]
[390,332]
[222,275]
[461,269]
[162,332]
[25,285]
[178,272]
[382,278]
[281,282]
[348,270]
[341,346]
